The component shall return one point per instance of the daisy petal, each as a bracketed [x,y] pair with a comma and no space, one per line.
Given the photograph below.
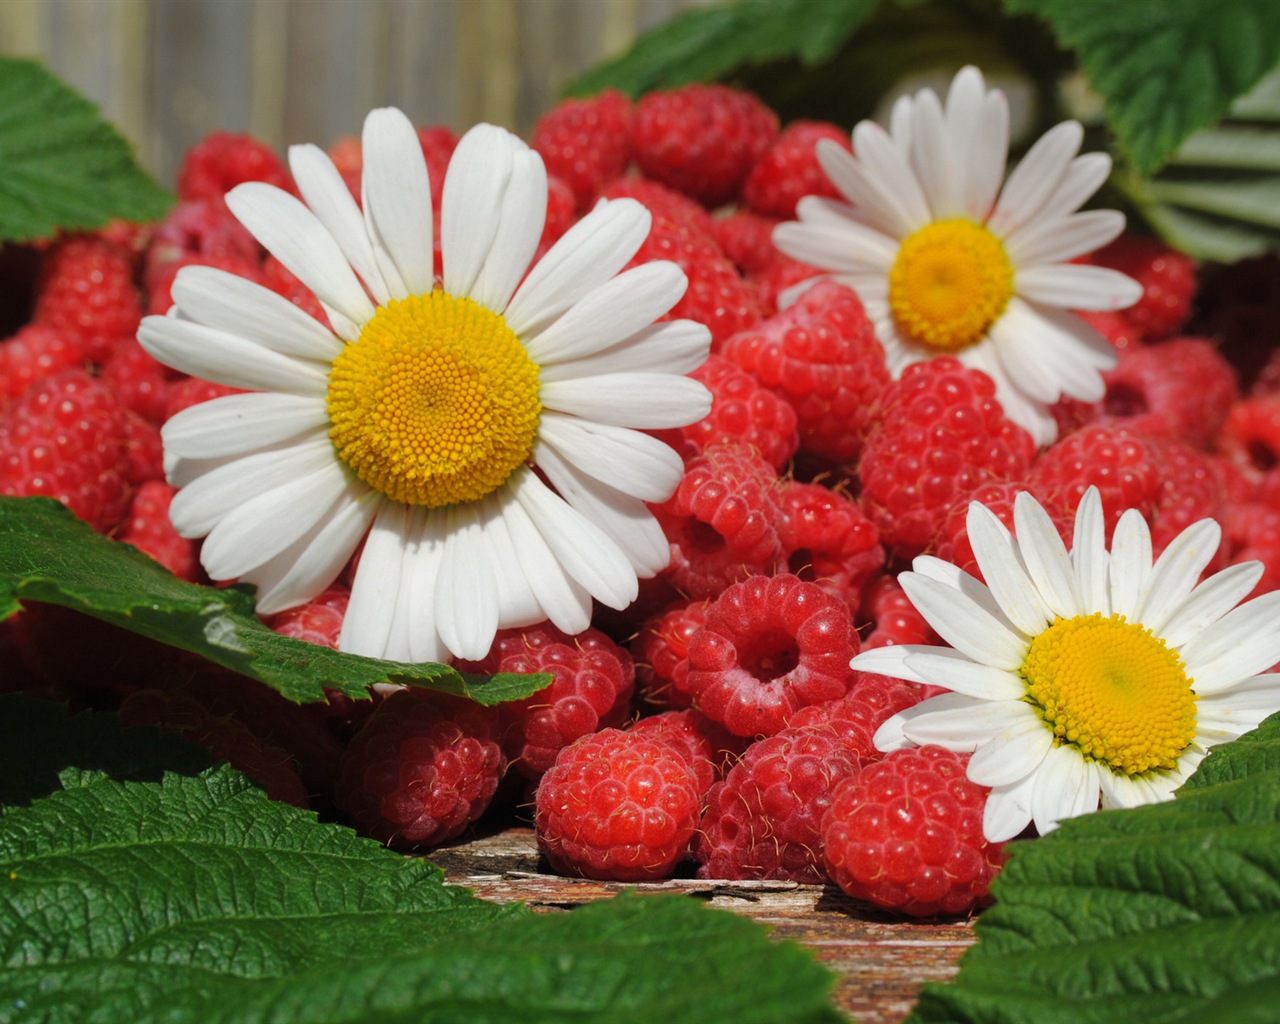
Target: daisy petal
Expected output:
[675,346]
[1016,752]
[1046,556]
[524,212]
[1089,555]
[1243,643]
[587,255]
[227,359]
[890,176]
[466,592]
[839,248]
[1061,789]
[933,158]
[633,463]
[845,172]
[471,205]
[397,211]
[1055,240]
[943,667]
[1254,696]
[428,534]
[988,150]
[888,661]
[375,590]
[952,720]
[644,401]
[1072,286]
[1005,572]
[1211,600]
[1176,571]
[293,235]
[1036,177]
[1130,563]
[243,308]
[1008,810]
[517,603]
[1084,177]
[963,624]
[236,424]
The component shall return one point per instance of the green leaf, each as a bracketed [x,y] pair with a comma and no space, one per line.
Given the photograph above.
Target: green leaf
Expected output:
[1252,754]
[64,167]
[1165,69]
[47,554]
[197,899]
[1161,914]
[711,42]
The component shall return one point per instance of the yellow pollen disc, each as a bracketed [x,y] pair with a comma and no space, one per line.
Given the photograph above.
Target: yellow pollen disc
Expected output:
[1113,690]
[435,403]
[950,282]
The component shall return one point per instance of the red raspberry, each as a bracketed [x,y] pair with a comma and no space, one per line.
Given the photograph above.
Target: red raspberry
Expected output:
[1168,280]
[820,355]
[617,806]
[560,214]
[702,139]
[764,820]
[422,768]
[66,438]
[906,833]
[319,621]
[1252,533]
[706,745]
[716,296]
[593,679]
[35,352]
[160,288]
[777,277]
[951,543]
[743,412]
[661,649]
[894,618]
[86,292]
[280,279]
[139,380]
[770,646]
[143,455]
[722,522]
[586,142]
[870,702]
[1192,487]
[192,391]
[147,528]
[1250,441]
[828,540]
[789,169]
[222,160]
[200,231]
[661,202]
[1113,326]
[941,435]
[747,239]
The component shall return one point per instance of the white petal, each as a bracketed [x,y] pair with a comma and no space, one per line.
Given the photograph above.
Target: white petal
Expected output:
[963,624]
[466,590]
[1211,600]
[951,669]
[846,173]
[1063,238]
[293,235]
[335,207]
[1120,791]
[197,507]
[307,567]
[1008,810]
[471,206]
[890,175]
[644,401]
[1005,572]
[614,310]
[226,359]
[421,569]
[1021,355]
[585,257]
[1242,644]
[975,590]
[585,551]
[1036,177]
[958,722]
[258,529]
[1176,572]
[1072,286]
[524,212]
[397,196]
[1046,556]
[247,310]
[1130,563]
[932,158]
[626,460]
[841,248]
[1084,177]
[376,587]
[236,424]
[517,603]
[888,661]
[1016,752]
[675,346]
[1089,555]
[988,150]
[1062,789]
[1250,700]
[1050,352]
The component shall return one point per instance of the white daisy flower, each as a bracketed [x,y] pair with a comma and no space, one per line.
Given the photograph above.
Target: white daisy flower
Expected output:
[1085,675]
[479,424]
[949,263]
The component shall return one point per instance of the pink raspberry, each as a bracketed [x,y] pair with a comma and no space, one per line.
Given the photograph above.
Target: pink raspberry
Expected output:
[560,215]
[147,528]
[747,239]
[1250,441]
[662,201]
[222,160]
[619,806]
[422,768]
[828,540]
[722,522]
[706,744]
[593,680]
[764,820]
[906,833]
[139,380]
[661,648]
[743,412]
[34,352]
[1168,280]
[586,142]
[820,355]
[871,701]
[783,273]
[789,169]
[197,231]
[770,646]
[941,435]
[1252,533]
[701,139]
[319,621]
[87,294]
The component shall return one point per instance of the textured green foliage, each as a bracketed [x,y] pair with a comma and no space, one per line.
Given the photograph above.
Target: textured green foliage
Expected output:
[194,899]
[711,42]
[47,554]
[1165,69]
[1168,913]
[64,167]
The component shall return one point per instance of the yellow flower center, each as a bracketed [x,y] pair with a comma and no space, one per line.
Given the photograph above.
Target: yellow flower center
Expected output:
[950,282]
[1113,690]
[435,403]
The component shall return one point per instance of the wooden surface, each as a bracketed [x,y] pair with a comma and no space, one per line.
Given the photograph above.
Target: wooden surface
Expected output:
[881,960]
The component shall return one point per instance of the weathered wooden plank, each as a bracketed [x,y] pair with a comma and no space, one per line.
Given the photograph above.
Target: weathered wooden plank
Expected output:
[881,960]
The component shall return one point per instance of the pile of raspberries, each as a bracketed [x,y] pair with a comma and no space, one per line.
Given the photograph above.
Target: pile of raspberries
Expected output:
[714,727]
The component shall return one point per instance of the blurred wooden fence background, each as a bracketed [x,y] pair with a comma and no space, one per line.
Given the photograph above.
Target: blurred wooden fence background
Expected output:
[165,72]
